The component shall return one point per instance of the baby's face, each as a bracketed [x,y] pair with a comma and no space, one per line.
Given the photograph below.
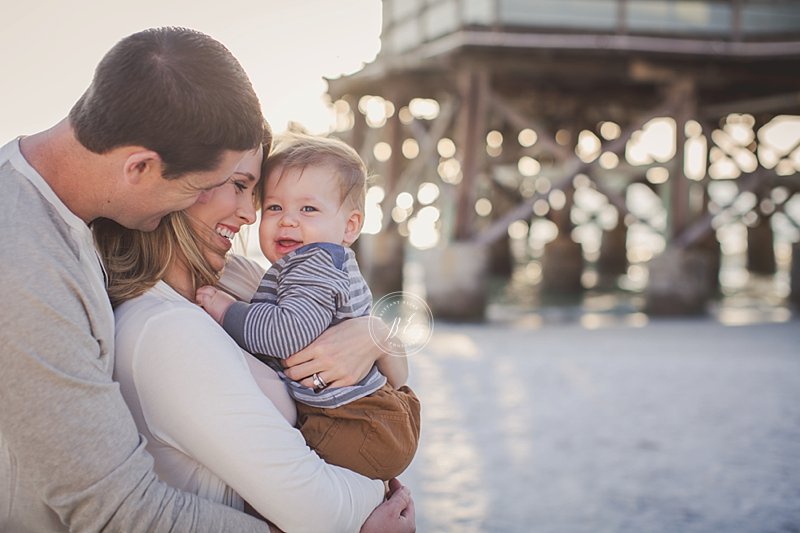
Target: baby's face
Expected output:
[303,206]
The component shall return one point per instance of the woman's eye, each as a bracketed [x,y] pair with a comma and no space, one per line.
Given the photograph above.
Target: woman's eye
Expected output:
[240,186]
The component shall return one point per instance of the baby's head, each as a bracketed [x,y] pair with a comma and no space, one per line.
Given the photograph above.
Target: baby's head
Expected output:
[313,191]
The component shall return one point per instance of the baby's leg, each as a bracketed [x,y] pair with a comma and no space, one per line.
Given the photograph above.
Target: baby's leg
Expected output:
[375,436]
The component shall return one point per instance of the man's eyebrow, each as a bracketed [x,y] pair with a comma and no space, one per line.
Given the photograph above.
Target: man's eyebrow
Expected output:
[211,188]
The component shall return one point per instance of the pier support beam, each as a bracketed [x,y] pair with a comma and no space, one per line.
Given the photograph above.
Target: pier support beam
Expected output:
[456,278]
[562,266]
[794,295]
[381,258]
[678,282]
[613,260]
[761,248]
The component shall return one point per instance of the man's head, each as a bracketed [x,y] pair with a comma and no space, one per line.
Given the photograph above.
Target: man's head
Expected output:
[174,91]
[166,103]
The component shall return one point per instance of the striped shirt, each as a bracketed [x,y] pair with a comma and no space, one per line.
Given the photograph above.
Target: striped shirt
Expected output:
[300,296]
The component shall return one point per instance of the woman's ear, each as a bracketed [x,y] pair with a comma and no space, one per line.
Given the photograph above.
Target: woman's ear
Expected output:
[141,164]
[353,227]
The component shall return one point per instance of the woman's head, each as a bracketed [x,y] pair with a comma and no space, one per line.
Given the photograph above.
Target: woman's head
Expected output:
[190,245]
[217,217]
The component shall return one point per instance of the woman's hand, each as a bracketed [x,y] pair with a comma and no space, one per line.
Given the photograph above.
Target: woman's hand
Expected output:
[341,356]
[395,515]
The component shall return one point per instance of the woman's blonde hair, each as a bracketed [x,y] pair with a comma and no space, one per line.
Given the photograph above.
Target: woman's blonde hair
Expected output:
[136,260]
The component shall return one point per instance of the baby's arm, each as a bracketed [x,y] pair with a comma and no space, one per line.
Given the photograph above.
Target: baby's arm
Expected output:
[309,288]
[214,301]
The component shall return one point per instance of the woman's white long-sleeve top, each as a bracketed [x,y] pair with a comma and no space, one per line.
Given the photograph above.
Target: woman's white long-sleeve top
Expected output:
[212,430]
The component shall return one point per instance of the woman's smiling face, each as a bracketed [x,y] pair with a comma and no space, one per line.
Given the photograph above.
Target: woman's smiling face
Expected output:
[219,215]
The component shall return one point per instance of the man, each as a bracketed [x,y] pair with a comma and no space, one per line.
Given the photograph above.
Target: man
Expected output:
[168,116]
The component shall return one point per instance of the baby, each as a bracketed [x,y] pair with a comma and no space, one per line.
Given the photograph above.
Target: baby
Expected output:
[312,211]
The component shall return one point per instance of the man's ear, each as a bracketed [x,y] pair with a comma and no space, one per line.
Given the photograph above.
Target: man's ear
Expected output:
[353,227]
[141,164]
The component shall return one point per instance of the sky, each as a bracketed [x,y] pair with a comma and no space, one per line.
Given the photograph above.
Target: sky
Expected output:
[51,47]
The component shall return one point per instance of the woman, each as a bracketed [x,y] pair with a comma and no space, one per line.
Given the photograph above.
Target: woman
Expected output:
[201,401]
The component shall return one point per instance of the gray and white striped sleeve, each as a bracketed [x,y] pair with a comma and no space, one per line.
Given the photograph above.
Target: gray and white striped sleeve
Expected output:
[310,291]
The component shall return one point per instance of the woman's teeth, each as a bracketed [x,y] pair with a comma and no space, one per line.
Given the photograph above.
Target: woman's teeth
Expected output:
[225,232]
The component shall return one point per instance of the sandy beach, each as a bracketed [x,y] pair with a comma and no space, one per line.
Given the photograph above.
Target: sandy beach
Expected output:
[672,425]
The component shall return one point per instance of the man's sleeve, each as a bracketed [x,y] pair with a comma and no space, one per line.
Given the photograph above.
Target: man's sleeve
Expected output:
[65,423]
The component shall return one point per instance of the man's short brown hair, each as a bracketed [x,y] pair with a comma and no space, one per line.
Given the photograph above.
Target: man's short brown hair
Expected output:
[175,91]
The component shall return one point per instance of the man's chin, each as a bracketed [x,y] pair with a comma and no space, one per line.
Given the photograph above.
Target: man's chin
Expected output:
[149,225]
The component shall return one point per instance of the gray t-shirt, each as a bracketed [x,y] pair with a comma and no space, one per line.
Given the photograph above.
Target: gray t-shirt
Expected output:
[70,455]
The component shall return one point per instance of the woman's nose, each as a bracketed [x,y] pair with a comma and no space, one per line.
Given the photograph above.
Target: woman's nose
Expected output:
[247,211]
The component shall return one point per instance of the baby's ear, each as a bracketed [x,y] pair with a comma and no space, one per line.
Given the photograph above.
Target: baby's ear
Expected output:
[353,228]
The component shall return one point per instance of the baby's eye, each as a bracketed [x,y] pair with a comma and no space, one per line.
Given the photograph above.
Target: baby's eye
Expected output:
[272,207]
[308,209]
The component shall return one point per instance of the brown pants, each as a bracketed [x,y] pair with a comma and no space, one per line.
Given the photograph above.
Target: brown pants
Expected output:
[375,436]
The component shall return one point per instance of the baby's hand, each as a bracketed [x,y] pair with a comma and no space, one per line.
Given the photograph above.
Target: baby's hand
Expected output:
[214,301]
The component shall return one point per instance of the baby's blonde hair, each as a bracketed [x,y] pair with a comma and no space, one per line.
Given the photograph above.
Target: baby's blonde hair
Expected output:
[300,150]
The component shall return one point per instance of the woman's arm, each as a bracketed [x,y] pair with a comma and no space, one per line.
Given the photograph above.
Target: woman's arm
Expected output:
[344,353]
[273,388]
[395,368]
[198,396]
[392,365]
